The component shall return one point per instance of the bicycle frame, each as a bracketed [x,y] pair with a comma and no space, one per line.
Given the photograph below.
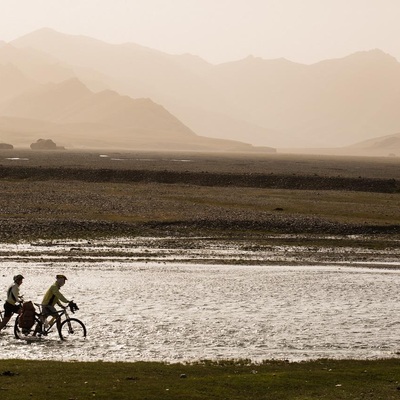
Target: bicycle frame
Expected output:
[46,328]
[68,328]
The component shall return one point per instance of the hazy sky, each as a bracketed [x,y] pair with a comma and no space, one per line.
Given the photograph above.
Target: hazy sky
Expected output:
[305,31]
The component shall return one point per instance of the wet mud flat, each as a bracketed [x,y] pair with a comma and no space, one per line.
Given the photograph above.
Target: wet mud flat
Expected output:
[362,251]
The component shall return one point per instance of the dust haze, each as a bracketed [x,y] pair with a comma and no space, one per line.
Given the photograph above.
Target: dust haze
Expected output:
[85,93]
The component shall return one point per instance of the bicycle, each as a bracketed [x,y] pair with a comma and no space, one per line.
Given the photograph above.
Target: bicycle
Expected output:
[70,328]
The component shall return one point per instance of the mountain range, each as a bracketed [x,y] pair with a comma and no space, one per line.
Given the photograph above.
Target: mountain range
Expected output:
[42,97]
[78,87]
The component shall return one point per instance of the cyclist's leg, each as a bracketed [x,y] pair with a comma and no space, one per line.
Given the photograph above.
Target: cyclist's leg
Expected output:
[4,322]
[9,309]
[50,311]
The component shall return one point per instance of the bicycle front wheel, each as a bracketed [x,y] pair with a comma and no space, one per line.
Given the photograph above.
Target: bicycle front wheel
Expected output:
[32,333]
[72,330]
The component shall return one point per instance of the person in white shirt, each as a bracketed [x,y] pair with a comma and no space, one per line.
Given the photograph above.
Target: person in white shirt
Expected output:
[13,302]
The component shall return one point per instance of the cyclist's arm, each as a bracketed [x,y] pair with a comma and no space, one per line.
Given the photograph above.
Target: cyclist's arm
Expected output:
[61,304]
[60,296]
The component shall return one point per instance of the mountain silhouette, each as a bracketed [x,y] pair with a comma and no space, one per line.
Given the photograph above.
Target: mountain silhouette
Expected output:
[334,103]
[388,145]
[74,116]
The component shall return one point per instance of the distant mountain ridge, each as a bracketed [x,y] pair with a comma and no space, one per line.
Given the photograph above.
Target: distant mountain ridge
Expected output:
[277,103]
[388,145]
[382,146]
[74,116]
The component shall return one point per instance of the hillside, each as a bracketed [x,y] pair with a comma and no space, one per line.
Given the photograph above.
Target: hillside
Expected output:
[382,146]
[388,145]
[278,103]
[75,117]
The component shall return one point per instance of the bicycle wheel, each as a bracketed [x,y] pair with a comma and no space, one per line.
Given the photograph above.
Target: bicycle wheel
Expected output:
[72,329]
[33,333]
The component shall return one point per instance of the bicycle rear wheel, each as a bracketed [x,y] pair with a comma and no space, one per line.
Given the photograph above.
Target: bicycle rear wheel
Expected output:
[72,329]
[32,333]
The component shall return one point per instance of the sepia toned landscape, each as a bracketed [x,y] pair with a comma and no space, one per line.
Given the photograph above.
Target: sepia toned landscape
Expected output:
[84,93]
[220,183]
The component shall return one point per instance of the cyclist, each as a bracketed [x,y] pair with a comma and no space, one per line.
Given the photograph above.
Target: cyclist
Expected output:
[13,297]
[52,297]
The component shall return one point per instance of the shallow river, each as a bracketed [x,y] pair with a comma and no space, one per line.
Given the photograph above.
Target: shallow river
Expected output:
[184,312]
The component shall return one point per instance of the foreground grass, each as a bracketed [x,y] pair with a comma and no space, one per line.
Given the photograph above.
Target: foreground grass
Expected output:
[322,379]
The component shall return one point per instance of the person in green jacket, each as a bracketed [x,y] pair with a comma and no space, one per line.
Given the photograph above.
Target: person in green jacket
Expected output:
[52,297]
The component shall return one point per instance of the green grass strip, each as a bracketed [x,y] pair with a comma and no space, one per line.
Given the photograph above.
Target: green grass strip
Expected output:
[321,379]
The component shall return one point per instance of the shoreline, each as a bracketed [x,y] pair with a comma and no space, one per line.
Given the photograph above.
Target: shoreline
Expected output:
[273,250]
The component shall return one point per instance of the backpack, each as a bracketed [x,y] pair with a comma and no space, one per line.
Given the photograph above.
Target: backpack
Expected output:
[27,316]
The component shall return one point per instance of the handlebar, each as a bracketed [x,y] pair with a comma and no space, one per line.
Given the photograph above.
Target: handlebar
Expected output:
[73,306]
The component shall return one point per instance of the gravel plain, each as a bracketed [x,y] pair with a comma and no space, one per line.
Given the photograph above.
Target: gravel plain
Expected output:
[60,194]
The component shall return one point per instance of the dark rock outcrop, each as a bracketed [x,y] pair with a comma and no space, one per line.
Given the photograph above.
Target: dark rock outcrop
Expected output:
[45,144]
[6,146]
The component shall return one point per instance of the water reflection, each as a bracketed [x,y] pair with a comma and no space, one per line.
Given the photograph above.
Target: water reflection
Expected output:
[177,312]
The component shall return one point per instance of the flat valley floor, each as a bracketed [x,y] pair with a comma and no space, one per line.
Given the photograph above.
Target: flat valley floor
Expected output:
[65,194]
[248,256]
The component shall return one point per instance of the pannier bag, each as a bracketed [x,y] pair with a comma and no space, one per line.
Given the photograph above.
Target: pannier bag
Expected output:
[27,316]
